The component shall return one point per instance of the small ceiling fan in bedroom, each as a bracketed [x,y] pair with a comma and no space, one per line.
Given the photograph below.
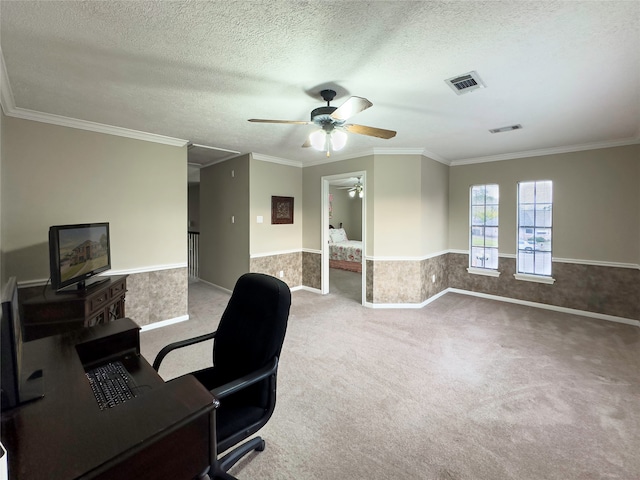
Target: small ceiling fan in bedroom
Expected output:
[331,121]
[356,188]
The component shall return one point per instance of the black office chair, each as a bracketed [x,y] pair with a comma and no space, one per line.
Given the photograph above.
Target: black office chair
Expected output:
[245,362]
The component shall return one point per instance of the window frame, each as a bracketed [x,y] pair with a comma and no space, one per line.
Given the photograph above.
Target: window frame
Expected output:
[475,269]
[533,276]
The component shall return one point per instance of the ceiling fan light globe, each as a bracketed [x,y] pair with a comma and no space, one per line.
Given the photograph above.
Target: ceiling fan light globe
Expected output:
[352,193]
[361,193]
[318,140]
[338,140]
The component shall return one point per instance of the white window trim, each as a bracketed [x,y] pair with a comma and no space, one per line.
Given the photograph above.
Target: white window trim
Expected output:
[530,277]
[489,272]
[527,277]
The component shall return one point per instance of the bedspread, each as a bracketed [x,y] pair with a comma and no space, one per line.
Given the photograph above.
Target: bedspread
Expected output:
[349,251]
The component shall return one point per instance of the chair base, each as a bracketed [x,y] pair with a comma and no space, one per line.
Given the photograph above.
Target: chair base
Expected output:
[219,470]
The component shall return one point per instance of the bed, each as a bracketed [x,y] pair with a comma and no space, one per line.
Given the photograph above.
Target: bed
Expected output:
[344,254]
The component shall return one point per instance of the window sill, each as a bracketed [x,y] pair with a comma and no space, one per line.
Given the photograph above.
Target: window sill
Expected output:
[483,271]
[534,278]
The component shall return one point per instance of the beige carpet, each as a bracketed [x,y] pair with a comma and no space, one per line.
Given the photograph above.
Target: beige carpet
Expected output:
[465,388]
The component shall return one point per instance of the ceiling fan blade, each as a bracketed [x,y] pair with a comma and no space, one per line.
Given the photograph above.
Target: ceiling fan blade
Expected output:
[349,108]
[370,131]
[294,122]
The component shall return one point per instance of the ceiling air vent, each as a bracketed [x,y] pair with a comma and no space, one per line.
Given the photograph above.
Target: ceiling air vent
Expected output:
[506,129]
[465,83]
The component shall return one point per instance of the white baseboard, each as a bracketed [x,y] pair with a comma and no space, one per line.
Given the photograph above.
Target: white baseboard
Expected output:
[573,311]
[164,323]
[308,289]
[406,305]
[216,286]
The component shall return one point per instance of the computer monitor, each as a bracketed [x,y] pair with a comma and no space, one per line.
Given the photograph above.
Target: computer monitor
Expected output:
[77,253]
[15,389]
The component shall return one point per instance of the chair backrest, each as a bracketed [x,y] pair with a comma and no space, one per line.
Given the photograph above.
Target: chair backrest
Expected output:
[252,328]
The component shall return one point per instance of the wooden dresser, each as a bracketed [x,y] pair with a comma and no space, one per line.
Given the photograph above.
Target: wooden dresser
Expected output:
[45,312]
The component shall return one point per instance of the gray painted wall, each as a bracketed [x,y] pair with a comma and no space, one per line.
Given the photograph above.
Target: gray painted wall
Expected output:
[224,246]
[269,179]
[596,202]
[53,175]
[348,211]
[194,207]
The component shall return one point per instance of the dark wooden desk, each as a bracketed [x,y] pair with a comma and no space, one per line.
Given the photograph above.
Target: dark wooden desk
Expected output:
[164,433]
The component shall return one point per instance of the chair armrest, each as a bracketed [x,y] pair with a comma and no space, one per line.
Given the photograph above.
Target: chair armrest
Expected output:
[243,382]
[180,344]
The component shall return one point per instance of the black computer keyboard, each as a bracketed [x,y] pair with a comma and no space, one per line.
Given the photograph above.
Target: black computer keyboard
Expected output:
[111,384]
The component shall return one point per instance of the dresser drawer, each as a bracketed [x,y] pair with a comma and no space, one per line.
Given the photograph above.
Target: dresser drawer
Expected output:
[117,289]
[99,301]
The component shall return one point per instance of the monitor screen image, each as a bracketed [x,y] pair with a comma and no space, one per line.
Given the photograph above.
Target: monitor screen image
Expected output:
[78,252]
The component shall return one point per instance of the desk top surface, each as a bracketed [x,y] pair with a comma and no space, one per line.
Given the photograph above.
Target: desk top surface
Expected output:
[65,435]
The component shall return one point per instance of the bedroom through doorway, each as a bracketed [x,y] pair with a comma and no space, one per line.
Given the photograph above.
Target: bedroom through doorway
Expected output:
[344,216]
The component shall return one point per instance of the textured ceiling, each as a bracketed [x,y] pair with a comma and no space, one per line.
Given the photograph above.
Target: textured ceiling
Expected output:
[568,71]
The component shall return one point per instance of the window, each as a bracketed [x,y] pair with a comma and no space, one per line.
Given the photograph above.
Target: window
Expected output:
[535,202]
[484,227]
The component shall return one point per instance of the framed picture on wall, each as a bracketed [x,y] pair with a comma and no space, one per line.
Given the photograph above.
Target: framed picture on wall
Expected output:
[281,210]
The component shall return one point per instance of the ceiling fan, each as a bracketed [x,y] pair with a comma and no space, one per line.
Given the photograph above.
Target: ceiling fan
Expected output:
[331,121]
[356,189]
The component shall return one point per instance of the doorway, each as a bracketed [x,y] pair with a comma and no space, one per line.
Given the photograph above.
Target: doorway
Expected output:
[345,281]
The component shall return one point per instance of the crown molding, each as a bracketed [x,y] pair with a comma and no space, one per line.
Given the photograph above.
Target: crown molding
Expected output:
[232,154]
[397,151]
[94,127]
[281,161]
[9,108]
[208,147]
[378,151]
[423,152]
[6,94]
[215,162]
[437,158]
[339,158]
[548,151]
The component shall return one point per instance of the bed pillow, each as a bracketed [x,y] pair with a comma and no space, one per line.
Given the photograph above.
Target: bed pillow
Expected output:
[338,235]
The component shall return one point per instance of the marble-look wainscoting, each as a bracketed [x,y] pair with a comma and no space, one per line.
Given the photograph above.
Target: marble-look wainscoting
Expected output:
[603,290]
[592,288]
[369,281]
[157,296]
[434,275]
[396,282]
[410,282]
[312,270]
[290,264]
